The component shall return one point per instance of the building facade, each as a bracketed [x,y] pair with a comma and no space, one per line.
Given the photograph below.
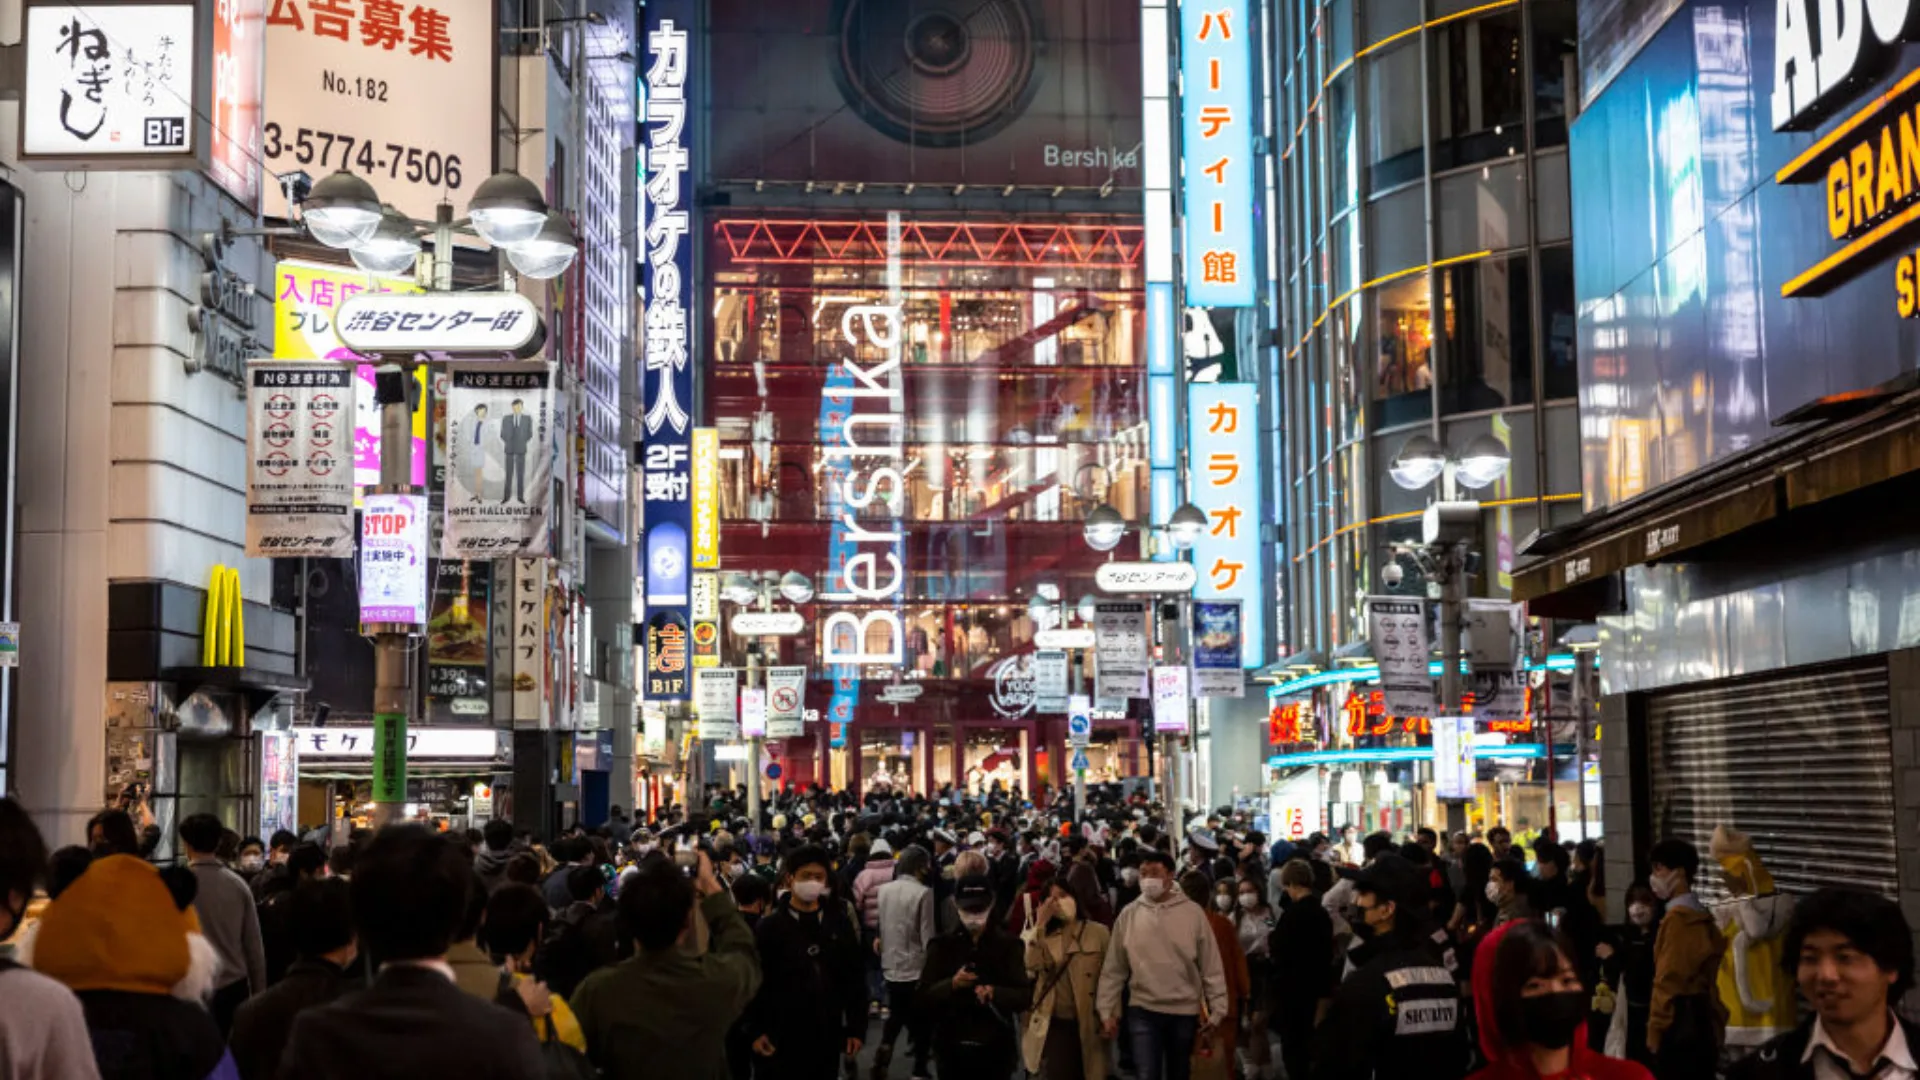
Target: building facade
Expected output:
[1746,356]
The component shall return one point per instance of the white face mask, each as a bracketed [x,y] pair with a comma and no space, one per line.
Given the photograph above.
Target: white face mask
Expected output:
[1662,885]
[1066,907]
[1641,914]
[809,892]
[1153,888]
[973,923]
[1130,876]
[1495,893]
[1223,901]
[1249,900]
[251,863]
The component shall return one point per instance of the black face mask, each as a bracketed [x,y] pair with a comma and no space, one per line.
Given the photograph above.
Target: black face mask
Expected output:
[1550,1019]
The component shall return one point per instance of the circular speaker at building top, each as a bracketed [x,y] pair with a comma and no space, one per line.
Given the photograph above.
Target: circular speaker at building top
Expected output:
[939,73]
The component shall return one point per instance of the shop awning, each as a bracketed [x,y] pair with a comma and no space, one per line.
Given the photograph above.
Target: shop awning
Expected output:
[1843,451]
[1651,537]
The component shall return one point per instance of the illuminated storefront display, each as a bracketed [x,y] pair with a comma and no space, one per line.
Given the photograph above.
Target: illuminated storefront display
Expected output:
[926,461]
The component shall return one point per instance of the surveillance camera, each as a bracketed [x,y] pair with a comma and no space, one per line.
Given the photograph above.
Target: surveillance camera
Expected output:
[1393,574]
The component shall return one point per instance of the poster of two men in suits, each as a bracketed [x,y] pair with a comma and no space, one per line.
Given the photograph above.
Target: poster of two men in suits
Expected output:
[499,461]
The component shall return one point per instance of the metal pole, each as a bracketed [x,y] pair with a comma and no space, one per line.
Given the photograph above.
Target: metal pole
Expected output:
[758,743]
[1453,602]
[393,654]
[1078,684]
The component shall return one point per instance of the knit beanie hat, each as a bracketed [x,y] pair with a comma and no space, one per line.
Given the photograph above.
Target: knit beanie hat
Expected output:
[119,926]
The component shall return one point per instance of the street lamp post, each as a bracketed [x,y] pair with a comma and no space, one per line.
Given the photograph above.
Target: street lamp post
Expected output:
[1104,529]
[1449,528]
[344,212]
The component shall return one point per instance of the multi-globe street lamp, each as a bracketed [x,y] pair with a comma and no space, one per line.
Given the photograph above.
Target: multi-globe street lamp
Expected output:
[343,211]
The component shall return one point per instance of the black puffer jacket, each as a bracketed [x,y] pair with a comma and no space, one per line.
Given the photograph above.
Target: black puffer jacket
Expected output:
[963,1027]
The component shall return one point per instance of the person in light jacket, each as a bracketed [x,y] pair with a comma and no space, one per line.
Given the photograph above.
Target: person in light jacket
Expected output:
[906,927]
[1064,959]
[1163,952]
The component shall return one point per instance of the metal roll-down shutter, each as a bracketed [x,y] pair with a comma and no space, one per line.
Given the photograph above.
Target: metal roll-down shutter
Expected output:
[1801,761]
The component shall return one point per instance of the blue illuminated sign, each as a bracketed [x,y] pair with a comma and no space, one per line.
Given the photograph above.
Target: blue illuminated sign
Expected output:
[666,382]
[1223,463]
[1216,143]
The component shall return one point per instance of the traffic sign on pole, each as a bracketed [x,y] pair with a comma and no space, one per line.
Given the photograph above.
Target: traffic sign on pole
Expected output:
[1079,760]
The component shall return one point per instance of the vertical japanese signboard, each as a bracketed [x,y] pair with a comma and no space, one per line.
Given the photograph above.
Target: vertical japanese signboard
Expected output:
[1216,649]
[753,712]
[705,612]
[1170,699]
[529,641]
[393,560]
[1050,680]
[706,499]
[1216,133]
[786,696]
[1397,630]
[499,462]
[1453,766]
[400,92]
[1224,463]
[1121,649]
[458,631]
[666,379]
[239,57]
[716,700]
[299,480]
[115,85]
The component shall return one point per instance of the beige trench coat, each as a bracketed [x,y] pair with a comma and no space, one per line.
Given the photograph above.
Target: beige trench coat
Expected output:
[1082,948]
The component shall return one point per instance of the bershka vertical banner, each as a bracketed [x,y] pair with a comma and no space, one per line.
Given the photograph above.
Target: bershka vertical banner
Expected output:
[666,379]
[299,468]
[706,499]
[716,700]
[1397,629]
[1216,142]
[786,696]
[1224,478]
[1121,649]
[1216,649]
[499,462]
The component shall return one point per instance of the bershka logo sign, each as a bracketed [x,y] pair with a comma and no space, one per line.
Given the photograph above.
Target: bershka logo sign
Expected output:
[1825,48]
[1099,157]
[868,459]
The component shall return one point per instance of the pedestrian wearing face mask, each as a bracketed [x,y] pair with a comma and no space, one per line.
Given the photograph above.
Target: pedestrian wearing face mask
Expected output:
[1626,964]
[1508,886]
[1164,954]
[1532,1010]
[1301,947]
[1397,1017]
[972,989]
[812,1006]
[1061,1040]
[1686,1022]
[1222,1041]
[1253,922]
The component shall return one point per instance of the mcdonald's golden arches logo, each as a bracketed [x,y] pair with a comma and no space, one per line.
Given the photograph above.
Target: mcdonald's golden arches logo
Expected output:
[223,635]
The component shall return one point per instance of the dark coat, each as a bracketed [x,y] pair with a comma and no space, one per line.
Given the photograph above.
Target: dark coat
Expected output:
[584,939]
[1779,1057]
[264,1023]
[152,1037]
[1398,1016]
[412,1022]
[813,989]
[963,1028]
[1300,952]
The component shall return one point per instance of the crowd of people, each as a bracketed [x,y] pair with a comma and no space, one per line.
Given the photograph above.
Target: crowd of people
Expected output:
[949,936]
